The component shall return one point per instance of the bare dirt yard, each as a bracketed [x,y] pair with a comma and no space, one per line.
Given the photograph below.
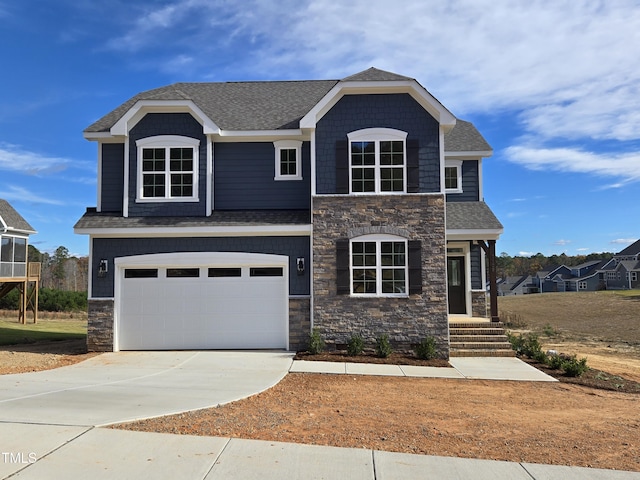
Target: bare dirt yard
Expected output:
[554,423]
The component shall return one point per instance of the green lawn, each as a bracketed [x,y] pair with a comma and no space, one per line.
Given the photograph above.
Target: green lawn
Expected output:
[12,332]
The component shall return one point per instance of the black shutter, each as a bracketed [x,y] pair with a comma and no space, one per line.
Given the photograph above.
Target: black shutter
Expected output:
[415,266]
[342,166]
[343,282]
[413,166]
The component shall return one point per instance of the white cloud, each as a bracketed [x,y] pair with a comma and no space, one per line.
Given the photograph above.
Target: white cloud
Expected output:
[22,194]
[562,242]
[624,241]
[14,158]
[623,166]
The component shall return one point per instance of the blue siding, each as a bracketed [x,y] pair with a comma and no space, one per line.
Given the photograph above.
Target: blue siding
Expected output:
[477,282]
[355,112]
[112,177]
[244,179]
[470,184]
[153,124]
[110,248]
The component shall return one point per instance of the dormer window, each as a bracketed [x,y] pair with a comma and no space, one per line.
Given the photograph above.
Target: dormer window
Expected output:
[288,160]
[377,159]
[168,168]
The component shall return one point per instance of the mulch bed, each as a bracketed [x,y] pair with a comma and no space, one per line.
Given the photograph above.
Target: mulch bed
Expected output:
[367,357]
[593,378]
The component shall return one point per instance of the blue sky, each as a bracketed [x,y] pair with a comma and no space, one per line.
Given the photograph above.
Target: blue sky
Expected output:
[553,86]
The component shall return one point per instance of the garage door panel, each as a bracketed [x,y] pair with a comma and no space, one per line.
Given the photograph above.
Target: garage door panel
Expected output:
[218,312]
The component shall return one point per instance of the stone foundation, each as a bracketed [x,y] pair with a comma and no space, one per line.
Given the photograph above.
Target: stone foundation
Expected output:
[100,325]
[299,323]
[405,320]
[479,304]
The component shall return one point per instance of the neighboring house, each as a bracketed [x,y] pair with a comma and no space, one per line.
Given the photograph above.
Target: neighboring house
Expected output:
[14,241]
[16,272]
[623,271]
[517,285]
[242,215]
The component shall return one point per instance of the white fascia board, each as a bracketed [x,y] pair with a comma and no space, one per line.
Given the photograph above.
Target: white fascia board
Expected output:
[278,230]
[259,135]
[3,224]
[489,234]
[142,107]
[446,119]
[469,155]
[93,136]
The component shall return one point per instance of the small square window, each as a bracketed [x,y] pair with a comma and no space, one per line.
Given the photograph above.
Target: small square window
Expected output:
[287,160]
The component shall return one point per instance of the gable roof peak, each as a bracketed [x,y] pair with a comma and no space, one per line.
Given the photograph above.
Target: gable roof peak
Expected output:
[633,249]
[375,75]
[12,221]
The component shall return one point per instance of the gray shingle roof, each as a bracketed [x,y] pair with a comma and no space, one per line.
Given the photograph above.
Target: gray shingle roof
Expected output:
[464,137]
[273,105]
[12,219]
[632,249]
[237,105]
[471,216]
[375,75]
[238,218]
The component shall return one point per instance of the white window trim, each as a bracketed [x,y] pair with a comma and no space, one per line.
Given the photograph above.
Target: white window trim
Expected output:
[378,135]
[280,145]
[378,239]
[167,142]
[457,164]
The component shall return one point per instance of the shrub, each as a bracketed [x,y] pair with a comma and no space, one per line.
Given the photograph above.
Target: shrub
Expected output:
[555,361]
[426,349]
[517,342]
[527,345]
[355,346]
[574,367]
[316,344]
[549,331]
[383,347]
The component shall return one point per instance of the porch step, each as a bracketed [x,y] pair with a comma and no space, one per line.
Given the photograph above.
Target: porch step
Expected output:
[479,339]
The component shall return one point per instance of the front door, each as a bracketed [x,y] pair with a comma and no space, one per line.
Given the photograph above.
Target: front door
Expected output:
[456,285]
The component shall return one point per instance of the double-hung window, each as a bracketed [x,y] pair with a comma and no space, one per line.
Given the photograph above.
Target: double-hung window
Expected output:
[288,160]
[377,161]
[168,168]
[379,266]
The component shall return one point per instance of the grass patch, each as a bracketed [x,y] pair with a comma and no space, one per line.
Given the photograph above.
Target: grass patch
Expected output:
[13,333]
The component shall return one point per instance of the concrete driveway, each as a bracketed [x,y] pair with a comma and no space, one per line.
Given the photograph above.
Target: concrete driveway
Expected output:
[125,386]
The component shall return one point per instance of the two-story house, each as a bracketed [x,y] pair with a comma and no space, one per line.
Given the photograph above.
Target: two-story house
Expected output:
[244,214]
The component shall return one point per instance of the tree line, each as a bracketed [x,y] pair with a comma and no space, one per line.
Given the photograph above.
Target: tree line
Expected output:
[61,270]
[508,266]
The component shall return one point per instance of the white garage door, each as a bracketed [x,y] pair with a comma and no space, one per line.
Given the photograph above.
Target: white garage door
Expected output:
[186,301]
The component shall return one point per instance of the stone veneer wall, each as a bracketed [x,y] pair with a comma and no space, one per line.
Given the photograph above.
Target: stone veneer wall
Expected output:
[406,320]
[479,304]
[100,325]
[299,323]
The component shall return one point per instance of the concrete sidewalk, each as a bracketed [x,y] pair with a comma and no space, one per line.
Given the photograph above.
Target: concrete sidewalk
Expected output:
[479,368]
[98,453]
